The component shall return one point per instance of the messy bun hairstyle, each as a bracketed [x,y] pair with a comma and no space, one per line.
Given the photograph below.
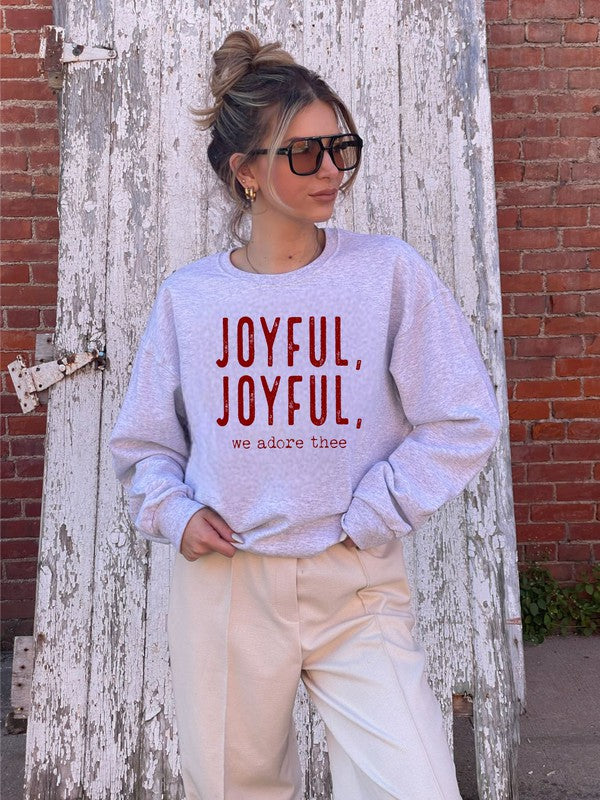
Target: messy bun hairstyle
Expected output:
[258,89]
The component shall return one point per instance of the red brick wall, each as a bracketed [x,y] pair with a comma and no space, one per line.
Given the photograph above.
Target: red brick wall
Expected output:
[29,181]
[543,67]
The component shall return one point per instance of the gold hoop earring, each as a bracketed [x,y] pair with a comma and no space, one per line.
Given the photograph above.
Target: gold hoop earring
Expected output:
[250,193]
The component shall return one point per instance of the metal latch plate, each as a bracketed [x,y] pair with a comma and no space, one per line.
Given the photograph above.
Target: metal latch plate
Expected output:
[29,381]
[55,52]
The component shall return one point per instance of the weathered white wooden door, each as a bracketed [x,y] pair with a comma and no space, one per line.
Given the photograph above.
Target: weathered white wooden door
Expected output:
[137,199]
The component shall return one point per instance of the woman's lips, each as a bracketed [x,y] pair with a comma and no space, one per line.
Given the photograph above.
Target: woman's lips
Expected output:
[325,196]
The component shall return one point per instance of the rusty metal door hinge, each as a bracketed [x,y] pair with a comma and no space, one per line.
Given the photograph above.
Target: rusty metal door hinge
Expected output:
[29,382]
[55,53]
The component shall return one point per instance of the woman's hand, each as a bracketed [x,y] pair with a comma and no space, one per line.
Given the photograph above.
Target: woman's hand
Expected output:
[206,532]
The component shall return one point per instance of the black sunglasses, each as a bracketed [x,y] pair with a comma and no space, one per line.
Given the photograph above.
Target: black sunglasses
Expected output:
[305,153]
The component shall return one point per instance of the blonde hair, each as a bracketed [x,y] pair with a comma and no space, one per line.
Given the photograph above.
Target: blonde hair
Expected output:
[258,87]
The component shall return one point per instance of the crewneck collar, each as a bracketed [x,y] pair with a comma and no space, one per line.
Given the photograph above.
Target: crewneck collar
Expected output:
[294,276]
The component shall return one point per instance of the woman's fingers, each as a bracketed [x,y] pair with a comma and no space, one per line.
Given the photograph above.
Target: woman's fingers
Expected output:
[206,532]
[214,541]
[219,524]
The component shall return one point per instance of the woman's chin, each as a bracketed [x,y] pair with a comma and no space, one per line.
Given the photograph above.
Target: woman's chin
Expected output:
[323,215]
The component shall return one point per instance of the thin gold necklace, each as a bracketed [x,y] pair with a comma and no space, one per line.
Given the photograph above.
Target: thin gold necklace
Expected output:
[312,258]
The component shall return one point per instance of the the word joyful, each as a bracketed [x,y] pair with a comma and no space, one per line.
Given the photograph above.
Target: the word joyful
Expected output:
[319,342]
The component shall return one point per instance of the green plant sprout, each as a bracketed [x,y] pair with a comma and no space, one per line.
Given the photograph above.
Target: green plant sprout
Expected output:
[547,608]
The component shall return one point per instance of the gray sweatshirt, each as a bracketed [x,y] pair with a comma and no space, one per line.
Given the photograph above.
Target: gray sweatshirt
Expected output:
[346,397]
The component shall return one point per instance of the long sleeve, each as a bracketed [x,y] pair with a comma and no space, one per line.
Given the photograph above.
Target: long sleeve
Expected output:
[448,398]
[149,446]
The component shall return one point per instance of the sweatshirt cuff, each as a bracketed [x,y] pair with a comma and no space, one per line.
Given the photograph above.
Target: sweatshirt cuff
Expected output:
[366,528]
[173,514]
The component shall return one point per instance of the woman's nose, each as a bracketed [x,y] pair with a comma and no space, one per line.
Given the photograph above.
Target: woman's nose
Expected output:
[327,164]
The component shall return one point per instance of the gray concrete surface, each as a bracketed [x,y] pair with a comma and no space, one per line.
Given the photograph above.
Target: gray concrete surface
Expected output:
[559,755]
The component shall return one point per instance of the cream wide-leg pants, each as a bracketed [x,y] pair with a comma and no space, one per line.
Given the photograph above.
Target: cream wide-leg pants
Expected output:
[243,631]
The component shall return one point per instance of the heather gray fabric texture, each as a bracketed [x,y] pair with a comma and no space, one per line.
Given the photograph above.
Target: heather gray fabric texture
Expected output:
[346,397]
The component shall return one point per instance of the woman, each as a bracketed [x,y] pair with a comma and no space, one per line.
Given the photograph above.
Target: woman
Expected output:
[297,406]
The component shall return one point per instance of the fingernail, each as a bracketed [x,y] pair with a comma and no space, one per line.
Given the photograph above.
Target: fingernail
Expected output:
[237,538]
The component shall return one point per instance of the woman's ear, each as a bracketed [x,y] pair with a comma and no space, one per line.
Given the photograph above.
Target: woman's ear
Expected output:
[244,173]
